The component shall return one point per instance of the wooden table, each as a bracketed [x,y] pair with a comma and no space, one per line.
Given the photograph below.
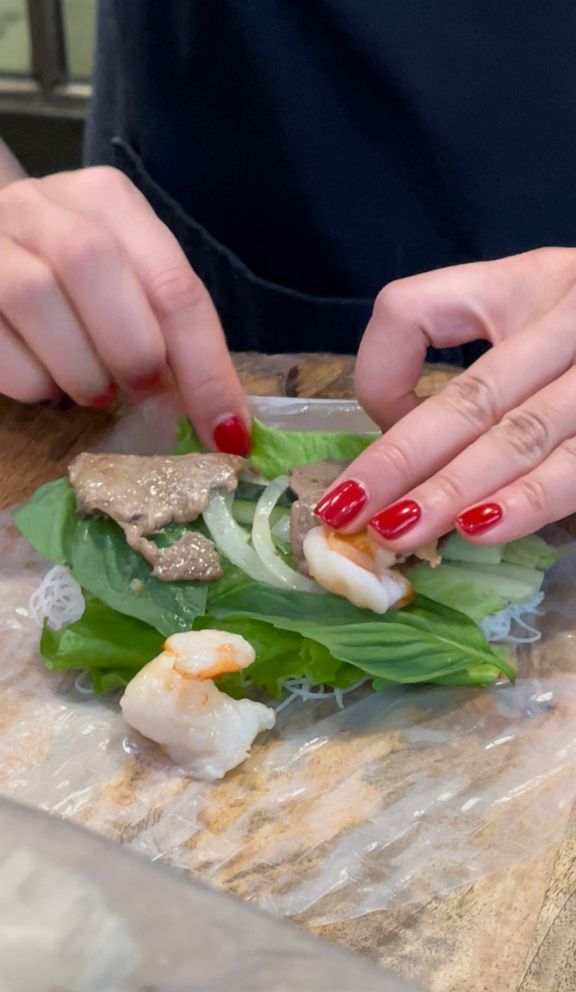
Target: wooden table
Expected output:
[513,933]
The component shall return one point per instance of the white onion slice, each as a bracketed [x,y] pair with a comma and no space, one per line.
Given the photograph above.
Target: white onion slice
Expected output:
[279,571]
[281,529]
[231,539]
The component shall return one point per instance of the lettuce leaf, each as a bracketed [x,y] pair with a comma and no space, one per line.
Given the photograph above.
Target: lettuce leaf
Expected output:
[95,550]
[477,590]
[419,643]
[275,452]
[322,637]
[532,552]
[113,647]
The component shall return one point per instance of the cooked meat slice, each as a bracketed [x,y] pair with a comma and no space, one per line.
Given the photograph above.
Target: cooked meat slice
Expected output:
[145,494]
[192,557]
[309,482]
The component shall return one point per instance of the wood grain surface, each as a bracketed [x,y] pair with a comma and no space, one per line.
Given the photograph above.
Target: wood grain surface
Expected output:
[511,933]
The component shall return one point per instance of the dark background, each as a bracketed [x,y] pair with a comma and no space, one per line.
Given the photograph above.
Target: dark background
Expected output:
[42,143]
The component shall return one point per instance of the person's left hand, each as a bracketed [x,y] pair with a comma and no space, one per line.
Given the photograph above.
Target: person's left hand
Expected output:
[494,453]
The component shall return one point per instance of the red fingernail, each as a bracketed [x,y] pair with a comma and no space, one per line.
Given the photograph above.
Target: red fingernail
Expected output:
[231,436]
[480,518]
[104,399]
[396,519]
[339,506]
[150,382]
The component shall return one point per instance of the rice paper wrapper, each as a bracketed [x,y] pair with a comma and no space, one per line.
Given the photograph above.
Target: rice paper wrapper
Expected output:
[396,799]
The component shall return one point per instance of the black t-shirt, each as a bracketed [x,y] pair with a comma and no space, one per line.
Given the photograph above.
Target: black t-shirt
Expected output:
[318,149]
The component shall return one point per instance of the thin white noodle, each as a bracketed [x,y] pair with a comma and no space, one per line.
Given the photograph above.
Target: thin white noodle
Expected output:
[58,600]
[302,689]
[81,684]
[500,626]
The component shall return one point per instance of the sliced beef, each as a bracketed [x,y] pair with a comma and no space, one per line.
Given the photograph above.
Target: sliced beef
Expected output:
[309,483]
[192,557]
[143,495]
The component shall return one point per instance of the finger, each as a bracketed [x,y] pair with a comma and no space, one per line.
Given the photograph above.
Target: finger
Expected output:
[429,437]
[39,313]
[486,300]
[542,496]
[22,376]
[94,271]
[518,443]
[195,342]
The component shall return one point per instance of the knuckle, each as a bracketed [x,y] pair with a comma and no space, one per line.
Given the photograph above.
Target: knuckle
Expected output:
[21,195]
[176,290]
[393,457]
[28,288]
[449,489]
[551,257]
[569,447]
[534,494]
[472,397]
[103,180]
[87,247]
[391,300]
[526,432]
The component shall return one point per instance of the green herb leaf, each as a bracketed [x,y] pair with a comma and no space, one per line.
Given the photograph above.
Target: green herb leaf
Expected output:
[99,557]
[113,647]
[275,452]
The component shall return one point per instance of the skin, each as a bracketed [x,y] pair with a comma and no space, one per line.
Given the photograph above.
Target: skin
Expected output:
[504,430]
[94,291]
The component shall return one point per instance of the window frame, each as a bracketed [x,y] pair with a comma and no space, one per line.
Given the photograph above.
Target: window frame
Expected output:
[47,90]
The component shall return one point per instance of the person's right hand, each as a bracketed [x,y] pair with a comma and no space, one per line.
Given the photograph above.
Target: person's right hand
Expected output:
[95,293]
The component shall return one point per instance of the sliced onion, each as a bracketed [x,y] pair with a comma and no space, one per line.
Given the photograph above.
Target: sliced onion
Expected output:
[231,539]
[279,571]
[281,529]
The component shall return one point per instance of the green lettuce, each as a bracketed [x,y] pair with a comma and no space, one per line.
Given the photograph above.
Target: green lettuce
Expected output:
[322,637]
[99,557]
[275,452]
[111,646]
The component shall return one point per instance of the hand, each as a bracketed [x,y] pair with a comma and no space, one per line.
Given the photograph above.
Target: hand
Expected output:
[95,293]
[495,451]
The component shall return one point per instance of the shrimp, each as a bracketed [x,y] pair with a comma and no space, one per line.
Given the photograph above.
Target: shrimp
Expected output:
[356,568]
[174,702]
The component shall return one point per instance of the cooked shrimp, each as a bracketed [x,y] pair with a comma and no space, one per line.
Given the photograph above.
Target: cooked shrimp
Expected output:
[174,702]
[355,568]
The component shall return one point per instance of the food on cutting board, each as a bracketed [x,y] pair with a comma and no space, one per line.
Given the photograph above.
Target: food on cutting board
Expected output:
[174,562]
[175,702]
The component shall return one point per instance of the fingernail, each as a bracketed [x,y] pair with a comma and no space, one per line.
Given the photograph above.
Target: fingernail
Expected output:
[339,506]
[232,437]
[396,519]
[104,399]
[480,518]
[150,382]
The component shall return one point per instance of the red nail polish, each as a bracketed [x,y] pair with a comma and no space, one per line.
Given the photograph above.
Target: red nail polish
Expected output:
[231,436]
[480,518]
[339,506]
[104,399]
[396,519]
[150,382]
